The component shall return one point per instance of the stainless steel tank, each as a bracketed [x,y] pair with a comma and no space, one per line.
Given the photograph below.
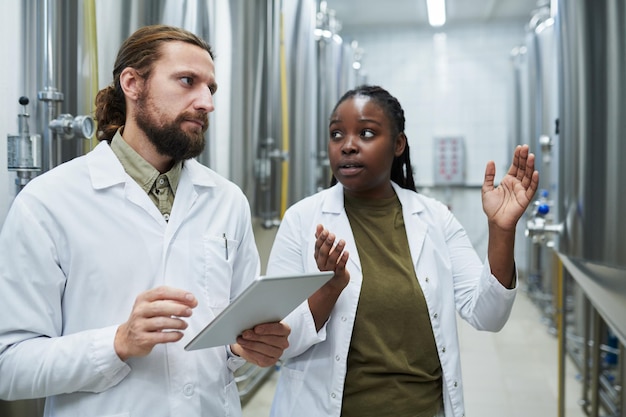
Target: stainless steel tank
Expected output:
[337,73]
[536,121]
[301,50]
[593,126]
[592,195]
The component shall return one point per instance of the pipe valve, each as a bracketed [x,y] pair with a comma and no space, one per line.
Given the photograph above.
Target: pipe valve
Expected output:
[540,227]
[82,127]
[24,151]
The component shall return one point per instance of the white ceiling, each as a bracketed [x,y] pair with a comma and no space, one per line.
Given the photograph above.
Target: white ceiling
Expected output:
[413,12]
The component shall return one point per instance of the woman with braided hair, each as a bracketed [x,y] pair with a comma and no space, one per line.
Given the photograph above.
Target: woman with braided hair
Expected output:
[380,339]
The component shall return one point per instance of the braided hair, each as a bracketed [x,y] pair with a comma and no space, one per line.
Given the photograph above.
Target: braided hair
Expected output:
[401,170]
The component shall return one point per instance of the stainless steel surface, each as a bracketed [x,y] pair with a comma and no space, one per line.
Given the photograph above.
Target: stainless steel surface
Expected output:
[604,286]
[592,201]
[24,150]
[66,126]
[49,25]
[54,51]
[535,77]
[300,44]
[606,306]
[335,75]
[593,96]
[622,380]
[561,323]
[594,406]
[266,110]
[577,144]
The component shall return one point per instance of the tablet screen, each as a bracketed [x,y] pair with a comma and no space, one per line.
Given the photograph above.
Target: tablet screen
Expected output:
[268,299]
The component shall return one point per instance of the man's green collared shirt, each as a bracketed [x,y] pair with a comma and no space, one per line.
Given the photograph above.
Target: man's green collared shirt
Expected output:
[161,188]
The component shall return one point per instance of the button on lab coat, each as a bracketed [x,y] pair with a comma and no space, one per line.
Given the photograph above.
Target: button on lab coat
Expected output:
[448,269]
[78,245]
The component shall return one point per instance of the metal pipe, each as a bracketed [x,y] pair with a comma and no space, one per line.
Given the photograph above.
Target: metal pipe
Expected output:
[48,27]
[622,378]
[50,40]
[595,363]
[586,306]
[55,127]
[561,300]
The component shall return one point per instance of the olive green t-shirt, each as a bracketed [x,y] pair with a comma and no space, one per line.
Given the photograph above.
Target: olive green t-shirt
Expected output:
[393,366]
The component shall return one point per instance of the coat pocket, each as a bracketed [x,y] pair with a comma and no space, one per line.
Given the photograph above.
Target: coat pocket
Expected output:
[219,257]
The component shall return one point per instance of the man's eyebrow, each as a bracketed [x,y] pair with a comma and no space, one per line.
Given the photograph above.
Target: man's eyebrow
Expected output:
[185,73]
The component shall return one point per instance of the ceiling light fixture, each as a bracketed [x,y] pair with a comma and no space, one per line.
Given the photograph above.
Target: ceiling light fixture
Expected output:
[436,12]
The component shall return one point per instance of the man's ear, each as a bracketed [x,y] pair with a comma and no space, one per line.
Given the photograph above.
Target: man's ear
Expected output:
[131,82]
[400,144]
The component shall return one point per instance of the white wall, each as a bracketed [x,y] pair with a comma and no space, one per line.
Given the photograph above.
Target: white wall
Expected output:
[10,83]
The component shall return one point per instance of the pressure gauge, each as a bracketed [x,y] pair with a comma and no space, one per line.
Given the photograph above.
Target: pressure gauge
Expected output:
[84,126]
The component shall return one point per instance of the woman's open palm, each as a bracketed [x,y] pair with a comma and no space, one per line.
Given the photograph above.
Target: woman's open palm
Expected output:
[506,203]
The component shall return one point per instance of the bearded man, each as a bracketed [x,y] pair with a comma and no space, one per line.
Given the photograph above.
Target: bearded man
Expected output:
[103,259]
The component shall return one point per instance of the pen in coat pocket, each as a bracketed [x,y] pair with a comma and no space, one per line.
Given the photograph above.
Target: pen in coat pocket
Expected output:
[225,246]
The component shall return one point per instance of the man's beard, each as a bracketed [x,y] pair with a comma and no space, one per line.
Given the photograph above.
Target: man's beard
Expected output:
[169,138]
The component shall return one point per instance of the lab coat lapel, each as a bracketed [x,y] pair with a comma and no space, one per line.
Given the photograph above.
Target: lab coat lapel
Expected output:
[106,171]
[186,196]
[416,231]
[416,228]
[192,176]
[138,196]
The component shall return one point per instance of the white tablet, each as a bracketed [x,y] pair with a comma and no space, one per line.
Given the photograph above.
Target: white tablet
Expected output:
[268,299]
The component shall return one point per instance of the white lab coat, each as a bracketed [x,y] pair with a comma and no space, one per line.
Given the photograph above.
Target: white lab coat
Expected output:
[448,269]
[79,244]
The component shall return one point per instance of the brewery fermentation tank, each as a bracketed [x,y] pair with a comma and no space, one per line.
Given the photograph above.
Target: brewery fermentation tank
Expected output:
[592,197]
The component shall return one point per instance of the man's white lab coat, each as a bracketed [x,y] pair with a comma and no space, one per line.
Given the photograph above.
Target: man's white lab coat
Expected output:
[78,245]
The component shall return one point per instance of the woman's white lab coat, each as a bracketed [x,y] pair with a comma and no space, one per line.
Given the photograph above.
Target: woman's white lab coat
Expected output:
[448,269]
[78,245]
